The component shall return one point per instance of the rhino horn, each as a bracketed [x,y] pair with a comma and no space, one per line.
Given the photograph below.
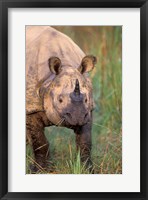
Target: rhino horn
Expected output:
[77,88]
[76,96]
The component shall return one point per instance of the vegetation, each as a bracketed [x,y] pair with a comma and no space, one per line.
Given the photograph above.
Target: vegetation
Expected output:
[106,44]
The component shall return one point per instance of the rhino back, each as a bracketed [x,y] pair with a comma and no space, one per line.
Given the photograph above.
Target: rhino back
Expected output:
[43,42]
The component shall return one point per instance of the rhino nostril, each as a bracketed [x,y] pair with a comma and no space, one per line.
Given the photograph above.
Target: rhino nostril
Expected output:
[86,115]
[68,115]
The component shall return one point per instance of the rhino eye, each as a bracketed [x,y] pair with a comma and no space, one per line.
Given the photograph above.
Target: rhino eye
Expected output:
[86,100]
[60,100]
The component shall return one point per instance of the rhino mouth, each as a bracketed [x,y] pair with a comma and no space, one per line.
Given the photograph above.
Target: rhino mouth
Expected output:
[75,119]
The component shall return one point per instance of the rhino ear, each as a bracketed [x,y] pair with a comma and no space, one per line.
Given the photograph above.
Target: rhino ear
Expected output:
[87,64]
[54,65]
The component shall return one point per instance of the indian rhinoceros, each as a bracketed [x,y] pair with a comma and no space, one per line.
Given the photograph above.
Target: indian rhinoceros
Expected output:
[58,90]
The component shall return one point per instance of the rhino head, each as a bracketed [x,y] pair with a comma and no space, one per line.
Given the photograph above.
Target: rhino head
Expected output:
[68,98]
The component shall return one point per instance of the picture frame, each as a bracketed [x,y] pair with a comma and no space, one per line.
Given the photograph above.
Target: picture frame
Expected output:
[4,6]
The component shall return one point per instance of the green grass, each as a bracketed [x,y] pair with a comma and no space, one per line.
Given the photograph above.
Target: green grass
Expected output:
[106,44]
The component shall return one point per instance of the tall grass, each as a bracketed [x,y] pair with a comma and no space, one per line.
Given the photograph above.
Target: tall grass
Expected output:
[106,44]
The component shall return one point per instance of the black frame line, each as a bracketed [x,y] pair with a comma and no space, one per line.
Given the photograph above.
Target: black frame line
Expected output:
[4,5]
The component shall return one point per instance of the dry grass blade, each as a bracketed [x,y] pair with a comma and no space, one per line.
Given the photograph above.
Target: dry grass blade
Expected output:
[41,146]
[60,122]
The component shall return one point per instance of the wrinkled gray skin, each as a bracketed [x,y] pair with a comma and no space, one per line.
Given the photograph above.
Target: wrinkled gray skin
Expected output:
[58,90]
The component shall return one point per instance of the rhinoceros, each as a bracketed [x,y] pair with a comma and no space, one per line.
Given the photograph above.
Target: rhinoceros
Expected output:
[58,90]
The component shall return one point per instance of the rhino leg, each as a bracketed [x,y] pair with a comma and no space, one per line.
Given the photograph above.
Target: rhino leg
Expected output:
[83,143]
[35,132]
